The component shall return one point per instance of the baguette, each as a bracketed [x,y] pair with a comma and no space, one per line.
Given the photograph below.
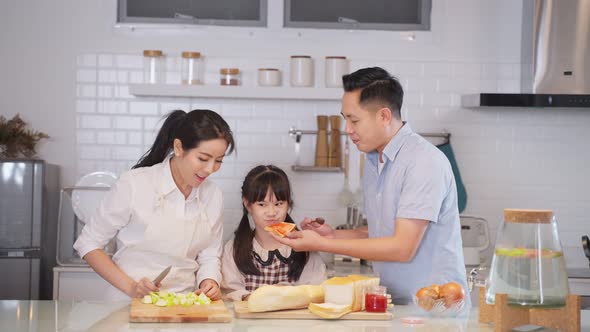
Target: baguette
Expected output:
[271,297]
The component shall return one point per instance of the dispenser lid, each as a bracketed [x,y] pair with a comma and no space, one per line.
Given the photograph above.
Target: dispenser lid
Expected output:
[528,216]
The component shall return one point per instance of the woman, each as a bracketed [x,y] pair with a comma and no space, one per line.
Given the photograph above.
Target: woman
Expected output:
[164,212]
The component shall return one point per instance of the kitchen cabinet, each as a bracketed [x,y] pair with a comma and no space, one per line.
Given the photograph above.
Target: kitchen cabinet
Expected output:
[78,284]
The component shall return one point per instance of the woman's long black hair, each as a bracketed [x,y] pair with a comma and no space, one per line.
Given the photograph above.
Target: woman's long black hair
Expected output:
[191,129]
[256,185]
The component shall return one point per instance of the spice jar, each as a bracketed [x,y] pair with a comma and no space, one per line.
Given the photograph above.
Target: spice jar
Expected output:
[335,68]
[269,77]
[229,76]
[153,66]
[301,70]
[191,68]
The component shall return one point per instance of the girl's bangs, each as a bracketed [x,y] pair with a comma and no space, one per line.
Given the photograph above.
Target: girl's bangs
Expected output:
[269,181]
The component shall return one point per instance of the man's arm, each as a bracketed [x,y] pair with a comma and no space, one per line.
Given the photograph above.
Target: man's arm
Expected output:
[401,247]
[357,233]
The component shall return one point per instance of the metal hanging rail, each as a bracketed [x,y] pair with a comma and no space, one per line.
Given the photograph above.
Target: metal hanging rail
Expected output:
[297,133]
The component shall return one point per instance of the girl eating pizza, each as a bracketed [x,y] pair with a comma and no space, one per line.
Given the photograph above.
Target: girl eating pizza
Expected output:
[254,258]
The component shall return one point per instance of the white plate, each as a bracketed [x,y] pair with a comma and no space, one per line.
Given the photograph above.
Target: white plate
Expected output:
[86,201]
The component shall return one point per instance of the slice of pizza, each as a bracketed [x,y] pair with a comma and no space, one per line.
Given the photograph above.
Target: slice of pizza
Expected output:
[281,228]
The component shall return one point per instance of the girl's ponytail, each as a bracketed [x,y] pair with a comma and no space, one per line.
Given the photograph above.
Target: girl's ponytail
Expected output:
[244,235]
[163,142]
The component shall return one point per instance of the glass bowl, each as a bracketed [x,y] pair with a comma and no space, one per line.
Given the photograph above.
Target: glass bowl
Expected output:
[438,307]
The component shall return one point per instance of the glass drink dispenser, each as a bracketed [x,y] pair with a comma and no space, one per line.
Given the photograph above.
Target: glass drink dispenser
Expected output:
[528,263]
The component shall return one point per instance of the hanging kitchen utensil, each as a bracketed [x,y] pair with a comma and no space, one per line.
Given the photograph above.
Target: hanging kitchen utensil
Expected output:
[346,197]
[586,246]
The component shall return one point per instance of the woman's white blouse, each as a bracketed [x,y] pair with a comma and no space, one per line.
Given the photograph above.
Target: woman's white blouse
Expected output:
[149,195]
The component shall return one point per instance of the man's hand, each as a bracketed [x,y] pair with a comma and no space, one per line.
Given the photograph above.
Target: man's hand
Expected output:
[323,229]
[305,240]
[210,288]
[142,288]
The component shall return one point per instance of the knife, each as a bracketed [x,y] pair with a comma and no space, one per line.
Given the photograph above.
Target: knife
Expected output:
[162,275]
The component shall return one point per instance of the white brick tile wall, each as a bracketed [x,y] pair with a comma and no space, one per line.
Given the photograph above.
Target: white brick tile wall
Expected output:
[86,60]
[95,122]
[107,76]
[135,77]
[129,61]
[147,108]
[105,91]
[86,75]
[86,90]
[105,61]
[127,122]
[134,138]
[509,157]
[122,92]
[113,107]
[127,153]
[152,123]
[94,152]
[85,137]
[123,77]
[437,70]
[111,137]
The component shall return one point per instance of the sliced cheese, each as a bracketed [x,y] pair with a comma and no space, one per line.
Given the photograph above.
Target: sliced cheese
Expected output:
[329,310]
[271,297]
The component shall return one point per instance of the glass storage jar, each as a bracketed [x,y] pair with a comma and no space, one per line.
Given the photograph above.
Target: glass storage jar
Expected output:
[153,66]
[335,68]
[302,73]
[191,68]
[269,77]
[229,76]
[528,263]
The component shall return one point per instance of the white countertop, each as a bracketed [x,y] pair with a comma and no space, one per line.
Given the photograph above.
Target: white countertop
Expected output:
[17,316]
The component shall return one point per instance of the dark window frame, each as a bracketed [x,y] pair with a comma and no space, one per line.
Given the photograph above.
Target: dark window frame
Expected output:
[426,8]
[122,18]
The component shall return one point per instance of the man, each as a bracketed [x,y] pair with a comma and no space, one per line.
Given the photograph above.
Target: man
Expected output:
[410,196]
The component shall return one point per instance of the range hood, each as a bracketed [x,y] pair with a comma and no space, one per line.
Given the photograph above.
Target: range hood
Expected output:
[555,66]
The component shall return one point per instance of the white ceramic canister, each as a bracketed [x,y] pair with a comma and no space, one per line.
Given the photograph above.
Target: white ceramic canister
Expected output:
[269,77]
[302,73]
[335,68]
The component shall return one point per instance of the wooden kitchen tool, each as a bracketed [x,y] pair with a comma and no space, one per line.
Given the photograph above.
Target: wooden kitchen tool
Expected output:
[335,152]
[241,310]
[216,312]
[506,317]
[321,149]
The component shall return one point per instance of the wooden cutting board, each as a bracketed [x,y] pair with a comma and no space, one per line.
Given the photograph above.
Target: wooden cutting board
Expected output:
[241,309]
[216,312]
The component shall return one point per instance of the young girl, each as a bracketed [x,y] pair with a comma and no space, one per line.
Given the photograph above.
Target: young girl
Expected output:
[254,258]
[164,212]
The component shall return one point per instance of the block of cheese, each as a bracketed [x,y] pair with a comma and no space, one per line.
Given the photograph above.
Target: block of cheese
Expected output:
[271,297]
[348,290]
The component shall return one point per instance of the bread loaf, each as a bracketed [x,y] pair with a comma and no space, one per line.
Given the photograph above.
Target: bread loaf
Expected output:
[348,290]
[271,297]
